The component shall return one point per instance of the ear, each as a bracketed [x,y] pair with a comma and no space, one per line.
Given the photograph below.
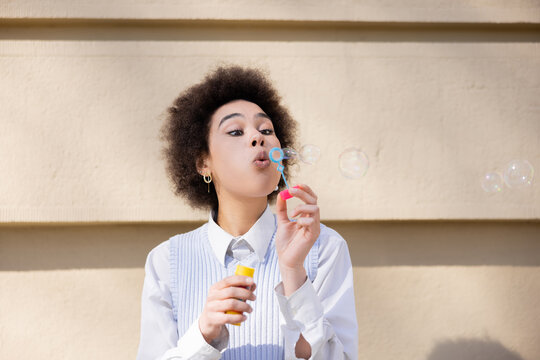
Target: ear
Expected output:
[202,165]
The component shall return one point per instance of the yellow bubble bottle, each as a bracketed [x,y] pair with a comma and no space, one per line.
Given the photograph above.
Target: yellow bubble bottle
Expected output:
[243,271]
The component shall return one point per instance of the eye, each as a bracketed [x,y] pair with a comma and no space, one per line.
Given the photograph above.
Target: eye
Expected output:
[236,133]
[267,131]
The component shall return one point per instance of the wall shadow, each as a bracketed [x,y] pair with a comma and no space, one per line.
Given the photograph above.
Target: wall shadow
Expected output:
[472,349]
[55,247]
[371,244]
[434,243]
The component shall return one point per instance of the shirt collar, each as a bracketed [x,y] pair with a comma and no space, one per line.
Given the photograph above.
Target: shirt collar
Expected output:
[258,236]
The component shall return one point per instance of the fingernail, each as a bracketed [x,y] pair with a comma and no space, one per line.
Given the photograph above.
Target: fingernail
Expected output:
[249,281]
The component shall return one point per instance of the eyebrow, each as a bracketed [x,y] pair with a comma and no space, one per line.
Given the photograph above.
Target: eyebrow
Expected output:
[227,117]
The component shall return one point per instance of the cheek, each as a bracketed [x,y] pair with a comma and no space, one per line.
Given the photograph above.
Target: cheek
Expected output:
[276,142]
[228,166]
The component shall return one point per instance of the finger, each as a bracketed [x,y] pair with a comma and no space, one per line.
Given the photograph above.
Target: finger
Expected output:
[305,221]
[307,189]
[231,305]
[234,280]
[252,289]
[303,195]
[281,210]
[235,293]
[306,210]
[223,318]
[234,318]
[310,225]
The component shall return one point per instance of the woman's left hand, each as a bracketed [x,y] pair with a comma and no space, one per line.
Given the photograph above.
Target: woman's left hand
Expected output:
[294,239]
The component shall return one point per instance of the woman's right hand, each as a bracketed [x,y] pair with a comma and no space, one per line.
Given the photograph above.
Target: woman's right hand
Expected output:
[223,296]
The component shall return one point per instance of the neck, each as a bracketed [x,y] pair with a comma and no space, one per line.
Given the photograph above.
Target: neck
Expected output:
[237,215]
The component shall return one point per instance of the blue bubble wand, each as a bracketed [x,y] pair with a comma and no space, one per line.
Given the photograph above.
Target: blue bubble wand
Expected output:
[278,160]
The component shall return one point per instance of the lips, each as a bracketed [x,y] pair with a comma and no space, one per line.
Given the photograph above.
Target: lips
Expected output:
[261,160]
[261,155]
[263,164]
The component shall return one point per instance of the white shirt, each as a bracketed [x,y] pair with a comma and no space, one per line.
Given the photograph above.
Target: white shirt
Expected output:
[322,311]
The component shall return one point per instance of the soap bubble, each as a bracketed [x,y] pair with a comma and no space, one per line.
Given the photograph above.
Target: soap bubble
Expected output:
[353,163]
[518,174]
[289,153]
[491,182]
[310,154]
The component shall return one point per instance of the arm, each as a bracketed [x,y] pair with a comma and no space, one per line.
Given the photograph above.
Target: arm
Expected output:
[319,319]
[322,314]
[159,335]
[207,337]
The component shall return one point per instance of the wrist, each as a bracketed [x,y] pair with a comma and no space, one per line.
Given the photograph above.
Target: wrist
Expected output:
[292,278]
[284,267]
[209,333]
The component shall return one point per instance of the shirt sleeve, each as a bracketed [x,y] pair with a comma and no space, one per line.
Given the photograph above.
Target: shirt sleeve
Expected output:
[323,311]
[159,335]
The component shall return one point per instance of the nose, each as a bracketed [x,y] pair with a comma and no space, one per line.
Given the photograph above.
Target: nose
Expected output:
[257,139]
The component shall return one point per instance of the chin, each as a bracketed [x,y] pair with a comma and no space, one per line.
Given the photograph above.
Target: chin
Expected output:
[265,192]
[254,188]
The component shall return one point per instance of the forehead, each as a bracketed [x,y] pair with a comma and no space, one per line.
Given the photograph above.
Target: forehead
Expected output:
[237,106]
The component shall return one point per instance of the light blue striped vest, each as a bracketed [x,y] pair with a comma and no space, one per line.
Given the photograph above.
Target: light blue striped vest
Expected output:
[194,268]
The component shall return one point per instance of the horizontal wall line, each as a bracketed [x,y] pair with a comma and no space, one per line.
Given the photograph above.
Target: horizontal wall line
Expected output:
[241,30]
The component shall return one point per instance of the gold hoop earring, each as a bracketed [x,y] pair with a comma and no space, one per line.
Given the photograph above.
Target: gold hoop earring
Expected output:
[208,180]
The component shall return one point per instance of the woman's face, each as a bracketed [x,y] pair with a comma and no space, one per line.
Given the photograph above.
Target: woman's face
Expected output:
[240,137]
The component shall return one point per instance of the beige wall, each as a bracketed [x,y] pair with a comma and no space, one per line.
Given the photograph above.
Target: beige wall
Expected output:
[435,92]
[386,11]
[83,118]
[424,290]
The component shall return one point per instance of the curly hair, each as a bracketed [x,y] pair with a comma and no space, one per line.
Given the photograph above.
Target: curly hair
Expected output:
[186,128]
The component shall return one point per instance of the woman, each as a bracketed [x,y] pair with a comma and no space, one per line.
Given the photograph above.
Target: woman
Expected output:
[218,135]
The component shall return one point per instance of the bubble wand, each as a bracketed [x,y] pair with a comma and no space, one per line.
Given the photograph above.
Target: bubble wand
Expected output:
[285,194]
